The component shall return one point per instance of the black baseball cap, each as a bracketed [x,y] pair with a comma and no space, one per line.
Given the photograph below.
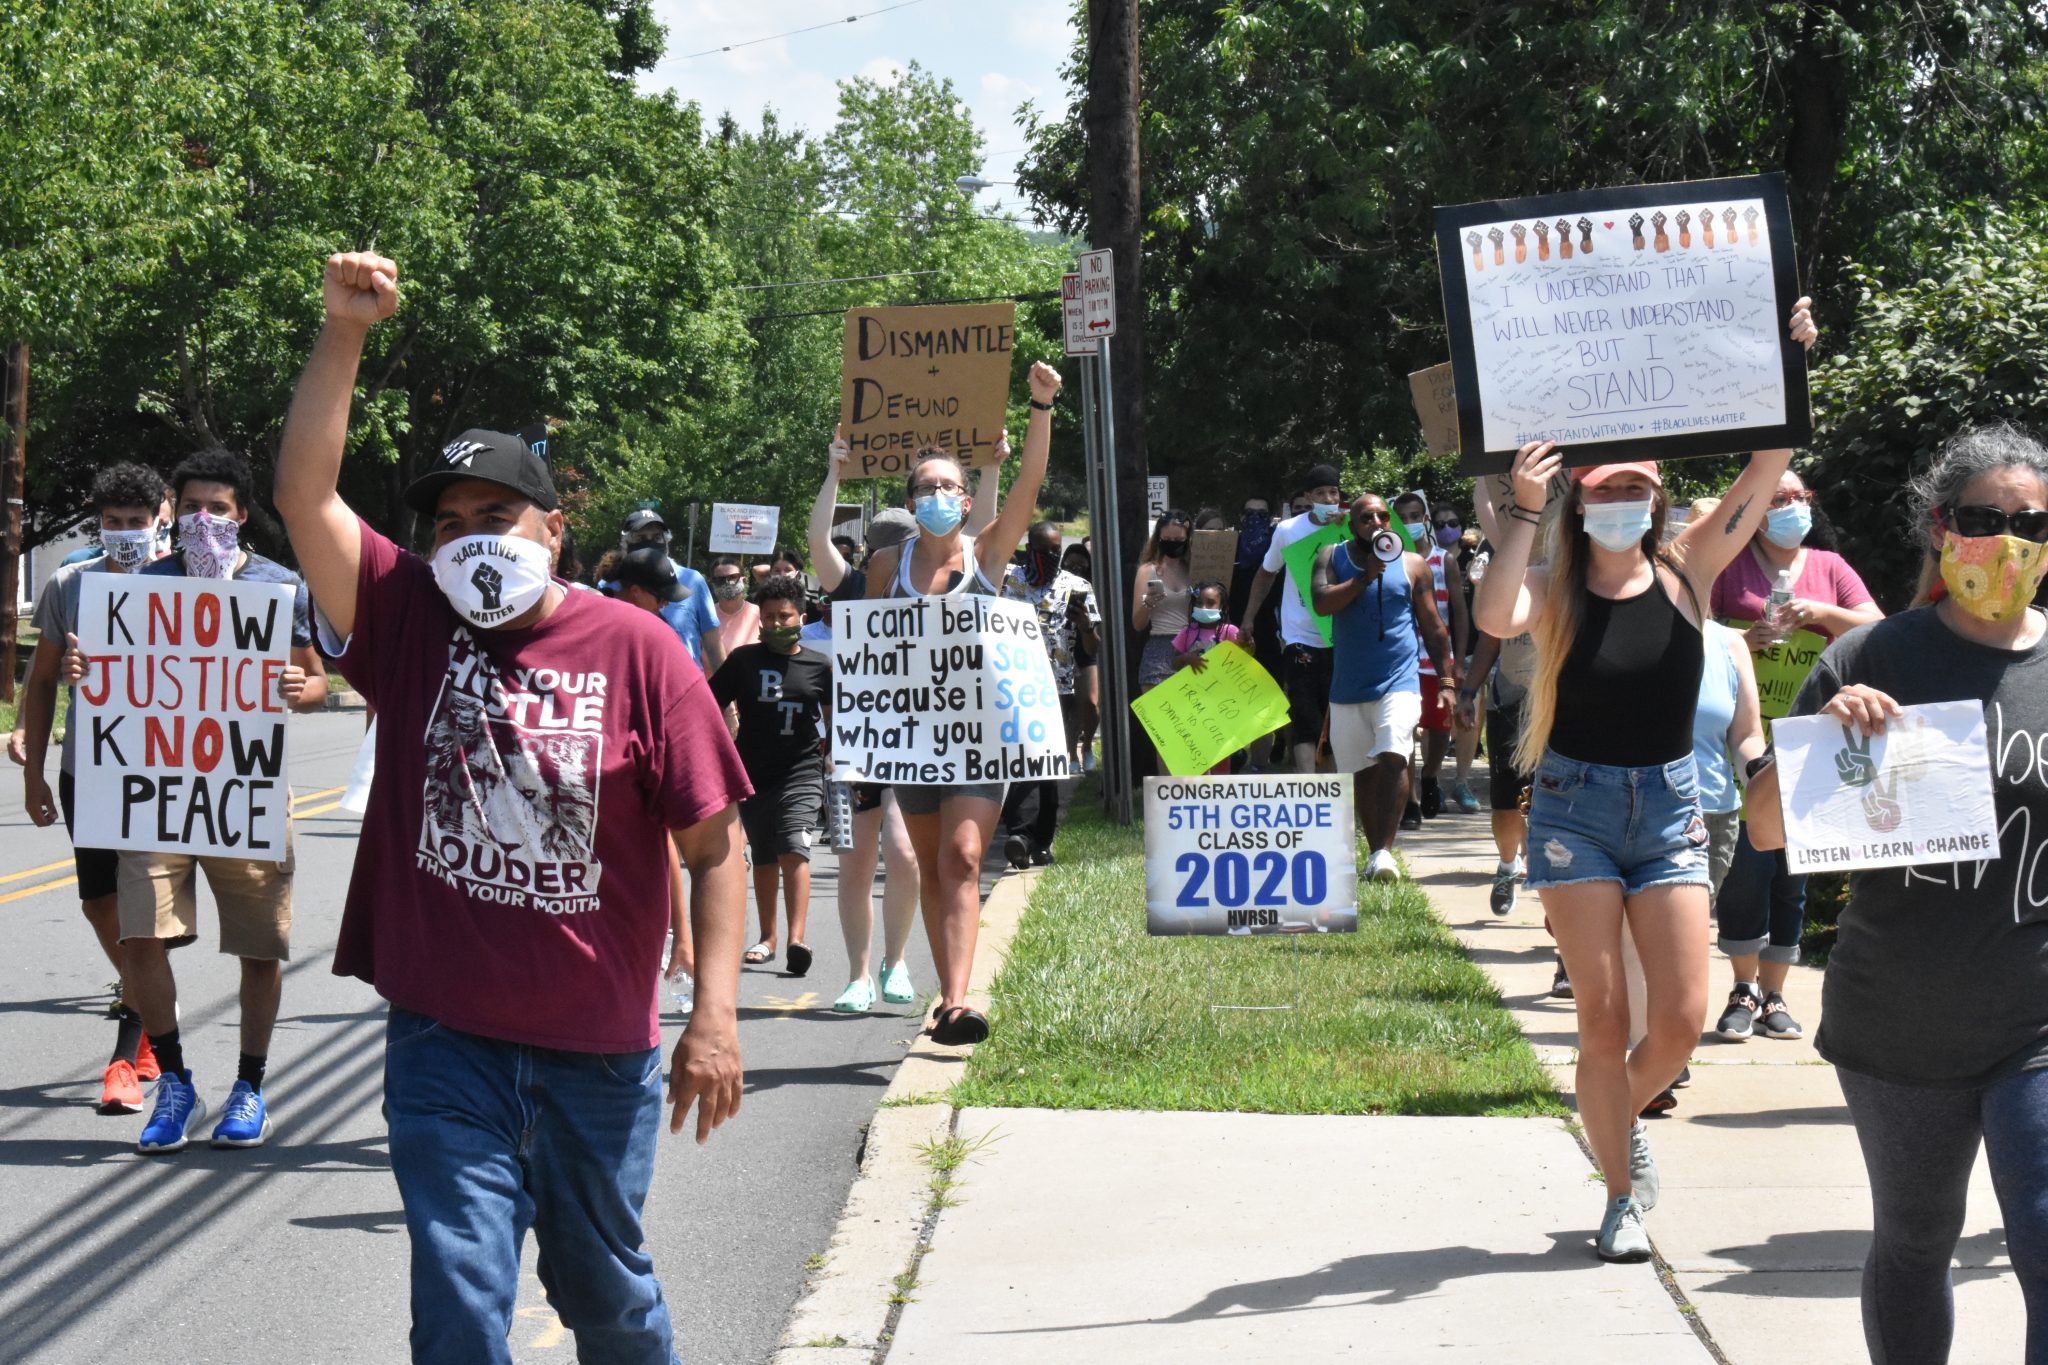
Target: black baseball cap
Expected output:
[643,519]
[492,455]
[648,568]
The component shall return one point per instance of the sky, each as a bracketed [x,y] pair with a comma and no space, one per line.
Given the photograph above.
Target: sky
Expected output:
[997,56]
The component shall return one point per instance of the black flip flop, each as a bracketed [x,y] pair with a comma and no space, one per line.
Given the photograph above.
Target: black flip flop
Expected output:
[798,959]
[960,1025]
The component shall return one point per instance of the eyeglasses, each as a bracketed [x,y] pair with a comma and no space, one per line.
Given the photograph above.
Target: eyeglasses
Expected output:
[1787,499]
[926,490]
[2029,523]
[725,578]
[1379,518]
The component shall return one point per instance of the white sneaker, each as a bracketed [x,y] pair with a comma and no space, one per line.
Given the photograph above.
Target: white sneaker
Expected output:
[1381,867]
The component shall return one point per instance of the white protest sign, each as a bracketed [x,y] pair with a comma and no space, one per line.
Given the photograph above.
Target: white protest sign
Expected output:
[1653,315]
[1918,793]
[1074,316]
[742,528]
[1157,497]
[941,691]
[181,741]
[1098,294]
[1250,855]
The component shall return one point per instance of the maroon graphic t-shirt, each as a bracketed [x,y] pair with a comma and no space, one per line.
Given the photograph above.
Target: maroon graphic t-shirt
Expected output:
[511,879]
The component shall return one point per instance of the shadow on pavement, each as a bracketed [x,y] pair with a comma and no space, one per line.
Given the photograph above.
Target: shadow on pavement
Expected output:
[1776,1118]
[1787,1253]
[393,1221]
[848,1073]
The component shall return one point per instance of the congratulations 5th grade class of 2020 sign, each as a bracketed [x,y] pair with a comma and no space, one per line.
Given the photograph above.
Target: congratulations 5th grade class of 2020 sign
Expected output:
[917,377]
[1250,855]
[1647,322]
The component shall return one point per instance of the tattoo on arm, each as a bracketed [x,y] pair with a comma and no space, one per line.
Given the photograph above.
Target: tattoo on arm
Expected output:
[1735,517]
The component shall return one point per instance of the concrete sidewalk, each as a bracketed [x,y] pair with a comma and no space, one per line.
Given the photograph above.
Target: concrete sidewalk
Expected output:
[1765,1213]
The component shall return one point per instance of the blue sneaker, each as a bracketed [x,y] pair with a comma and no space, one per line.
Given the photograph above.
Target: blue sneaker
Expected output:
[896,986]
[244,1121]
[178,1109]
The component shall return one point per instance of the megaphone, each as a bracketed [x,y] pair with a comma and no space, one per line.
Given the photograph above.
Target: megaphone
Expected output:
[1386,546]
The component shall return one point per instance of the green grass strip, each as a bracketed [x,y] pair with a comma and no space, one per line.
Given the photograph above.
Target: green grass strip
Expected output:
[1091,1012]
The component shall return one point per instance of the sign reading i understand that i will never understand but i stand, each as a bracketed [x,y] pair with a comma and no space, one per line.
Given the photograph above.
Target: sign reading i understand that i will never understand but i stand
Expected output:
[1250,855]
[1649,319]
[181,746]
[943,691]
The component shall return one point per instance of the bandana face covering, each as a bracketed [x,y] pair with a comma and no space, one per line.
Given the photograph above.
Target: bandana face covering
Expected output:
[210,543]
[1254,534]
[129,549]
[782,639]
[1992,577]
[490,580]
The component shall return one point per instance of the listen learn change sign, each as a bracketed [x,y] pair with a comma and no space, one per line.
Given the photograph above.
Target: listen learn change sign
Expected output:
[1250,855]
[181,744]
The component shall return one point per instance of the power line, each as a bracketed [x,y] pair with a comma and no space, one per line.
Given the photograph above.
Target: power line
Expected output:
[755,42]
[840,279]
[1031,296]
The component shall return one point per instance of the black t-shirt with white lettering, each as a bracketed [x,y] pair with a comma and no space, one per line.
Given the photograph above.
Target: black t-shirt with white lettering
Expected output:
[781,700]
[1940,974]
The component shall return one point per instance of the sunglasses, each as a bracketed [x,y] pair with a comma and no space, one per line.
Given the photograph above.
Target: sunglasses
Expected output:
[1379,518]
[1451,522]
[2030,523]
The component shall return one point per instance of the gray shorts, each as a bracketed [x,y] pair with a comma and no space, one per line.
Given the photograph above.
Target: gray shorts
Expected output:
[914,799]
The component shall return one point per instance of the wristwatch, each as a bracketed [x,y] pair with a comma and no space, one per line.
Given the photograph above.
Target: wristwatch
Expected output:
[1042,407]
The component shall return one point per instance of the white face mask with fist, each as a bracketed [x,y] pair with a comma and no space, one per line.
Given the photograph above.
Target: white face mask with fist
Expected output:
[490,580]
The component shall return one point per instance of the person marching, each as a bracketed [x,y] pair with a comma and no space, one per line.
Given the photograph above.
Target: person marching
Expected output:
[1070,619]
[1614,824]
[536,750]
[1305,660]
[690,612]
[1927,1087]
[126,499]
[950,826]
[1761,911]
[1380,615]
[1159,596]
[1438,698]
[739,621]
[782,690]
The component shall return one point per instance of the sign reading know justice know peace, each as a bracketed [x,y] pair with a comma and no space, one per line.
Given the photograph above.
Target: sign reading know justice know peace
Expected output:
[943,691]
[181,742]
[1250,855]
[917,377]
[1649,320]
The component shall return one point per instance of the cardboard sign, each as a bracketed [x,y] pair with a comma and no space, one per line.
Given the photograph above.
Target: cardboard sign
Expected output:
[1781,670]
[917,377]
[1198,719]
[743,528]
[1918,793]
[1212,557]
[942,691]
[1652,317]
[181,744]
[1098,293]
[1250,855]
[1158,497]
[1074,317]
[1436,407]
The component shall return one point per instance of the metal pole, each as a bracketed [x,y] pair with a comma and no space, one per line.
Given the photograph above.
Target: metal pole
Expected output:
[690,547]
[13,474]
[1116,701]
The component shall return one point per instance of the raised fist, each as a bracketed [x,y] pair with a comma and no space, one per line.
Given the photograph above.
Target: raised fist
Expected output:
[360,287]
[1045,382]
[490,584]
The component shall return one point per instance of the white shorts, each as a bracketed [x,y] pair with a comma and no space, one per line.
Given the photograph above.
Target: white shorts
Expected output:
[1360,731]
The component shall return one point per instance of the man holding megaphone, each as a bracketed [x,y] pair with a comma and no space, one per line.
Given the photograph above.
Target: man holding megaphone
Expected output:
[1377,595]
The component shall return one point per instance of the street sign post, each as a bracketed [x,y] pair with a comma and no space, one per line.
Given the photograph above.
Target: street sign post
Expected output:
[1098,294]
[1074,316]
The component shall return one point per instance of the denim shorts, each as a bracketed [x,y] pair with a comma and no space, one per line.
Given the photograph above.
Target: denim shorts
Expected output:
[1589,822]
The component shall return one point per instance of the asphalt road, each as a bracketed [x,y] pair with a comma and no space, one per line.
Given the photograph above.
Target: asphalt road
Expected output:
[296,1251]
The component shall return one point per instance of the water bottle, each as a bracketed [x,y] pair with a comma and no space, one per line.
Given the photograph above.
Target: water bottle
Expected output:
[839,815]
[1781,593]
[683,989]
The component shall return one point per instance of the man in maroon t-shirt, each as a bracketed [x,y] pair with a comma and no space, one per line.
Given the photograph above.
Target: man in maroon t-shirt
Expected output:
[536,749]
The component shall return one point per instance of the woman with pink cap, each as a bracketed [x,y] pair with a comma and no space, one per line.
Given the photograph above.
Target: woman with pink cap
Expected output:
[1615,830]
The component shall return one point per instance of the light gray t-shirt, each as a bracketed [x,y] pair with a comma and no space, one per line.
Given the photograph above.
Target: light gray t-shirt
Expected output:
[1940,974]
[56,616]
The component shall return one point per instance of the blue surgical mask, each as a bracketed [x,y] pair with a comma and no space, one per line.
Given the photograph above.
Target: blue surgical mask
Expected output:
[938,513]
[1206,616]
[1786,526]
[1323,513]
[1618,525]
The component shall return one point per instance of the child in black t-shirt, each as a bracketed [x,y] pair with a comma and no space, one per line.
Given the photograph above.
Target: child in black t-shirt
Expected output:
[781,689]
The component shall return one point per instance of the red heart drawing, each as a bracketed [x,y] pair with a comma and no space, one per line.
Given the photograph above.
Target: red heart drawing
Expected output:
[1607,224]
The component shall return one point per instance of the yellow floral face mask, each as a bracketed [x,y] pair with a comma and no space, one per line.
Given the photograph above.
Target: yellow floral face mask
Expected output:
[1992,577]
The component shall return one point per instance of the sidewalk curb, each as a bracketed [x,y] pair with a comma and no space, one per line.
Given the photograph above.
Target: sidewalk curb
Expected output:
[843,1315]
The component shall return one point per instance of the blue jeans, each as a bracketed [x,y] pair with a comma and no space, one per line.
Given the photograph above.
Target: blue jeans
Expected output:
[1919,1145]
[1592,822]
[489,1138]
[1762,907]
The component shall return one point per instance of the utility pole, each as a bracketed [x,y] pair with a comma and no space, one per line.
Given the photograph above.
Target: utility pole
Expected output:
[13,479]
[1115,221]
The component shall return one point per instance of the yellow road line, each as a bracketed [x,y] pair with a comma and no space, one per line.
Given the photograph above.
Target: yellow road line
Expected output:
[300,813]
[35,890]
[46,867]
[298,801]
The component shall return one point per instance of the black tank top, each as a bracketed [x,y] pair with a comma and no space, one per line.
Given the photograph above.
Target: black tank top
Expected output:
[1627,691]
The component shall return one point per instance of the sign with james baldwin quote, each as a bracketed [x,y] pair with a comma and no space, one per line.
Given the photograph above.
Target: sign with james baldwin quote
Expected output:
[916,377]
[1918,793]
[943,691]
[1250,855]
[181,745]
[1650,318]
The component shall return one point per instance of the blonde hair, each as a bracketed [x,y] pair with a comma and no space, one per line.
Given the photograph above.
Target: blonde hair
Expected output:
[1564,547]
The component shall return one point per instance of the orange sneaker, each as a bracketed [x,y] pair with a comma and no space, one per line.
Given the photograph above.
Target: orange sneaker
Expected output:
[146,1068]
[120,1091]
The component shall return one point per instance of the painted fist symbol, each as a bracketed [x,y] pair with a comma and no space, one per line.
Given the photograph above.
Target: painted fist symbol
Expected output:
[490,583]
